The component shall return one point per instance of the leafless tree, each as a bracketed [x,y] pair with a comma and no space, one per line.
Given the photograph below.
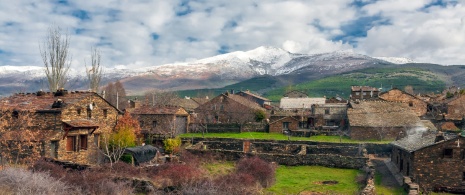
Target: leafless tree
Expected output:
[159,97]
[54,51]
[112,150]
[94,72]
[116,95]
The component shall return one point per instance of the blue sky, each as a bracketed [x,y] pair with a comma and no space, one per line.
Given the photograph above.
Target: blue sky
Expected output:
[132,33]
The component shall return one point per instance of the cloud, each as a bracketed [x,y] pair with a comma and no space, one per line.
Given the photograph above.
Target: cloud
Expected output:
[141,33]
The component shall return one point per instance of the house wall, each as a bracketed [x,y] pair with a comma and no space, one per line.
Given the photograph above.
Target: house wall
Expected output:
[224,110]
[403,161]
[363,94]
[106,125]
[432,169]
[277,127]
[329,113]
[456,109]
[373,133]
[417,105]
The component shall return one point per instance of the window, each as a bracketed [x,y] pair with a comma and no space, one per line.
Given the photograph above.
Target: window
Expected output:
[71,143]
[78,111]
[83,142]
[463,176]
[448,153]
[410,104]
[15,114]
[364,93]
[217,118]
[327,111]
[286,125]
[221,107]
[105,113]
[357,93]
[89,113]
[97,140]
[154,124]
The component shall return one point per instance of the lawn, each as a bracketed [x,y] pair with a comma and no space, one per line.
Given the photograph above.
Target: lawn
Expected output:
[278,136]
[296,179]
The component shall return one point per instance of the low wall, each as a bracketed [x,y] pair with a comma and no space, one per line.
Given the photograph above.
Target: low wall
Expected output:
[231,128]
[267,146]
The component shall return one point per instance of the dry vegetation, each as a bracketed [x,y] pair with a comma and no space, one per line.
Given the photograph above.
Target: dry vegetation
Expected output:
[189,176]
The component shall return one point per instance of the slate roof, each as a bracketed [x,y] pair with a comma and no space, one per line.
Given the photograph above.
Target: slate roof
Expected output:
[295,91]
[253,95]
[299,103]
[418,141]
[275,119]
[169,110]
[244,101]
[44,102]
[187,104]
[381,114]
[82,123]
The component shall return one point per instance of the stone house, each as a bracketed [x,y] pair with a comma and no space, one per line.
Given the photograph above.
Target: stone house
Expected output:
[227,108]
[161,120]
[254,97]
[329,116]
[397,95]
[435,161]
[287,103]
[280,124]
[68,124]
[295,94]
[363,92]
[380,120]
[455,108]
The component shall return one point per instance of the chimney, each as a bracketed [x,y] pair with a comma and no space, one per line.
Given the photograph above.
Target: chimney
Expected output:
[40,93]
[58,104]
[232,91]
[61,92]
[439,137]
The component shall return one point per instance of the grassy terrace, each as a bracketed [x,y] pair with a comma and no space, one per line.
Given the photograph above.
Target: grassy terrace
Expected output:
[278,136]
[296,179]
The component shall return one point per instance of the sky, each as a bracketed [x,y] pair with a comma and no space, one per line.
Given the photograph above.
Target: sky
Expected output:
[141,33]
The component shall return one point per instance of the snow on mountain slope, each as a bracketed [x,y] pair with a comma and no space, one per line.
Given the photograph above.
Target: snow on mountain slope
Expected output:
[396,60]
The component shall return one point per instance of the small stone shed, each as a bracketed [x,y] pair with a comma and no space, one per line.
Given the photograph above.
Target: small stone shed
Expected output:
[435,161]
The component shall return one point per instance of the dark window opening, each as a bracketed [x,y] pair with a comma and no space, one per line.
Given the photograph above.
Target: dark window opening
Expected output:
[83,142]
[105,113]
[448,153]
[15,114]
[286,125]
[154,124]
[89,113]
[410,104]
[71,143]
[78,111]
[463,176]
[327,111]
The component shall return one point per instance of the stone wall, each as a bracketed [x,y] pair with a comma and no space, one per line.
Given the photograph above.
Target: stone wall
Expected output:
[340,155]
[277,126]
[375,133]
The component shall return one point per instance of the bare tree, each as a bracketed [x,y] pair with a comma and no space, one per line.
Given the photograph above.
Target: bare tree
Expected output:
[54,51]
[159,97]
[116,95]
[94,72]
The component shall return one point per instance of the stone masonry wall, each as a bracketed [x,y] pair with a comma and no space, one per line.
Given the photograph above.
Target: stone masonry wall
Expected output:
[417,105]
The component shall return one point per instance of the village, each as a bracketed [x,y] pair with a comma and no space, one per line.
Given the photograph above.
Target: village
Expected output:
[419,137]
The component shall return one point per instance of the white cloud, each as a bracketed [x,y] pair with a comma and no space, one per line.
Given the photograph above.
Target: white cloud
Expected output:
[124,30]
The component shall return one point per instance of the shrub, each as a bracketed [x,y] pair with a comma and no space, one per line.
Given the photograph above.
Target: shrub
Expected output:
[172,145]
[179,174]
[259,169]
[22,181]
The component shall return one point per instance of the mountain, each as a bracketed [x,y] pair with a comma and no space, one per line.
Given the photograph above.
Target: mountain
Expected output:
[213,72]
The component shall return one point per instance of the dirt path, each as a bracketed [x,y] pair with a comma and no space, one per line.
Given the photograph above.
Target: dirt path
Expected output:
[387,178]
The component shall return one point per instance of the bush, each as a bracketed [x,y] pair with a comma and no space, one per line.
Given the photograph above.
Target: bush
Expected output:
[259,169]
[178,174]
[21,181]
[171,145]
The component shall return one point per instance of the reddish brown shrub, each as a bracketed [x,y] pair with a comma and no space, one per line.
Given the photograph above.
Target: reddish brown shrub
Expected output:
[259,169]
[53,169]
[179,174]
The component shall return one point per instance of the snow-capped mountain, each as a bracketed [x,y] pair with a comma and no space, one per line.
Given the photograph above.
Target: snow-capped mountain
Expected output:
[396,60]
[216,71]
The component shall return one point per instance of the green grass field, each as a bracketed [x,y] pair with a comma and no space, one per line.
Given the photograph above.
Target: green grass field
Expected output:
[278,136]
[384,190]
[296,179]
